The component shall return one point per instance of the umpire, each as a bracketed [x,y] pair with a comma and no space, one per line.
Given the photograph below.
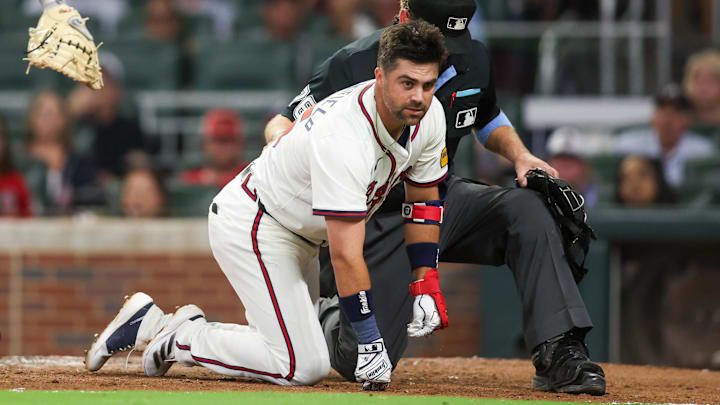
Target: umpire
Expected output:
[483,224]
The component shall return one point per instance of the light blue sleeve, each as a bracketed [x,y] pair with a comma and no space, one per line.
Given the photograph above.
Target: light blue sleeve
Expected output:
[500,121]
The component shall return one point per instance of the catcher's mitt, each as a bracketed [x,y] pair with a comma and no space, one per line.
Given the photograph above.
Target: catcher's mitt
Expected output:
[62,42]
[568,208]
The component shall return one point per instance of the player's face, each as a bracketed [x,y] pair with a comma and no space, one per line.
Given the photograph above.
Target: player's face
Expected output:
[408,90]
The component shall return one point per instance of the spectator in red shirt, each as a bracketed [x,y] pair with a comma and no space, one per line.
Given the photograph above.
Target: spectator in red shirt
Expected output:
[15,199]
[223,142]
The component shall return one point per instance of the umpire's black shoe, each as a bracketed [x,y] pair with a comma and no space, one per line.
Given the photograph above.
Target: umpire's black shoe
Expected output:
[562,365]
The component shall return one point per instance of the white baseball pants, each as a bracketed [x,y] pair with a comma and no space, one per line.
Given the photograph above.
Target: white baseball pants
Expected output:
[276,275]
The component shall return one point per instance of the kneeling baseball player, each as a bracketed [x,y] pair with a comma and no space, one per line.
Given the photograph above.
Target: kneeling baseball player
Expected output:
[315,185]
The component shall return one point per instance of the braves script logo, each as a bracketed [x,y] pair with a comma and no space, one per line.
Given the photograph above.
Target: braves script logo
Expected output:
[457,23]
[370,189]
[379,195]
[465,118]
[364,306]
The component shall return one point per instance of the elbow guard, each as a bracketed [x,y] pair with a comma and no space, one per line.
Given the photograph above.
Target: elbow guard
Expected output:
[424,212]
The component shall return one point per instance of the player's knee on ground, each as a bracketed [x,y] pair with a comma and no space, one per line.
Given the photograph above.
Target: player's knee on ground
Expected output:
[344,363]
[311,371]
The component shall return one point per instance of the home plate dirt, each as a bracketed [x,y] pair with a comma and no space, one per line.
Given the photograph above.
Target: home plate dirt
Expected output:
[467,377]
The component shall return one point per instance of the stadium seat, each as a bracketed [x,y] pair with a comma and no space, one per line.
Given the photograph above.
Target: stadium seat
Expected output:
[14,21]
[190,200]
[12,70]
[605,166]
[248,15]
[148,64]
[324,46]
[703,173]
[243,64]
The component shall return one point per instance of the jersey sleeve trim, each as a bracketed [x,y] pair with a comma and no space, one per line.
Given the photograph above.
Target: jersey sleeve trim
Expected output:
[501,120]
[427,184]
[337,213]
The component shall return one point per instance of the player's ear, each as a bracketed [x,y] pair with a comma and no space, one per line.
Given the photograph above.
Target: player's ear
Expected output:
[378,74]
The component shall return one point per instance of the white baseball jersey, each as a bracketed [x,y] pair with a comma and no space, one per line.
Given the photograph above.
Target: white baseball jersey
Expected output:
[339,160]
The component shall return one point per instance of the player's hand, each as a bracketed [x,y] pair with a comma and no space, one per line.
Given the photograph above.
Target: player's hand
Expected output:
[528,161]
[429,309]
[373,367]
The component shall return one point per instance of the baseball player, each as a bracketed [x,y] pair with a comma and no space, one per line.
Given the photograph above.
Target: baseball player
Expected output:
[312,186]
[483,224]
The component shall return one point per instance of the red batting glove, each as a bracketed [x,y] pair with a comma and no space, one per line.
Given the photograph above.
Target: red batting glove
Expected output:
[429,308]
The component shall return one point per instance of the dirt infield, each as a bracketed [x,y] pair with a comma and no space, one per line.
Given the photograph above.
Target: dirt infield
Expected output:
[469,377]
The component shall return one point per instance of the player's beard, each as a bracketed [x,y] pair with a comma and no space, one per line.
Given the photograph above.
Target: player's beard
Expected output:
[403,115]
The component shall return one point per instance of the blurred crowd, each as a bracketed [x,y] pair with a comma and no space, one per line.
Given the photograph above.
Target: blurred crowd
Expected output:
[116,174]
[672,160]
[80,151]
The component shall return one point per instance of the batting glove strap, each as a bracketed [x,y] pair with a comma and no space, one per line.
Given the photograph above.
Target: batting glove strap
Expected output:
[430,286]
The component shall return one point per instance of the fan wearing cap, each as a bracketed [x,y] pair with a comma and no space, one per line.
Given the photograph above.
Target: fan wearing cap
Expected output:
[566,150]
[668,138]
[223,142]
[481,224]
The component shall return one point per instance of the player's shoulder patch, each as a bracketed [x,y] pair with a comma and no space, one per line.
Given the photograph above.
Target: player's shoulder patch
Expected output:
[302,102]
[304,105]
[443,157]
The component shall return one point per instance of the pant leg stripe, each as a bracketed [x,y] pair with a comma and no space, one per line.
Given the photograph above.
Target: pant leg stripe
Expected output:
[228,366]
[238,368]
[281,321]
[276,306]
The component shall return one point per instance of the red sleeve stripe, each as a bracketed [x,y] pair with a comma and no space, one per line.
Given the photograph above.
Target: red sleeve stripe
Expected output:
[333,213]
[430,184]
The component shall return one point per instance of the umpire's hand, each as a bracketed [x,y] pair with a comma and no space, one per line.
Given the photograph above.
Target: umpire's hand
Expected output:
[528,161]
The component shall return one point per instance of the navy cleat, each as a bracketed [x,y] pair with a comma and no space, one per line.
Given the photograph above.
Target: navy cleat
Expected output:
[160,353]
[562,365]
[125,332]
